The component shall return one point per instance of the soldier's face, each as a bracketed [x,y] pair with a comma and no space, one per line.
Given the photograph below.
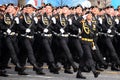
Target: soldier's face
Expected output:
[29,9]
[48,9]
[111,11]
[89,16]
[79,10]
[65,10]
[10,9]
[95,10]
[43,10]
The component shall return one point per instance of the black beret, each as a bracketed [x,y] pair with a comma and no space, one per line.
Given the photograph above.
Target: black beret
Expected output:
[65,6]
[79,6]
[10,4]
[49,5]
[88,12]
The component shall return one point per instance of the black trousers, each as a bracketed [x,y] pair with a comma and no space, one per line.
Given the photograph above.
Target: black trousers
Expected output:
[97,55]
[87,59]
[26,48]
[63,43]
[46,45]
[12,44]
[9,50]
[38,50]
[111,50]
[75,48]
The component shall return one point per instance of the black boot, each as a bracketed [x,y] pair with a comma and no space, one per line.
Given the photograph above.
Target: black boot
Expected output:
[75,68]
[114,68]
[3,73]
[8,67]
[38,70]
[96,74]
[22,73]
[98,68]
[79,75]
[68,71]
[20,70]
[53,68]
[85,69]
[105,66]
[58,67]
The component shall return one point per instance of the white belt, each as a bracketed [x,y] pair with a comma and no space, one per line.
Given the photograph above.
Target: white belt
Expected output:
[64,35]
[11,34]
[46,35]
[72,35]
[27,36]
[110,35]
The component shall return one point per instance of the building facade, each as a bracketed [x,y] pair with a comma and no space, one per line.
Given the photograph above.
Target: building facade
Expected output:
[100,3]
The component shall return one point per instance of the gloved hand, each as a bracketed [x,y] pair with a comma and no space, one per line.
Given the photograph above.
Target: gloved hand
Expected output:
[28,30]
[109,31]
[94,48]
[62,30]
[54,20]
[36,20]
[17,20]
[100,20]
[117,21]
[79,30]
[45,30]
[8,31]
[70,21]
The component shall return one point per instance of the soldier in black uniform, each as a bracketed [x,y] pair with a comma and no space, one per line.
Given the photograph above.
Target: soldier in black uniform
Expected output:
[61,33]
[87,44]
[9,30]
[75,34]
[118,30]
[97,20]
[26,38]
[44,31]
[108,27]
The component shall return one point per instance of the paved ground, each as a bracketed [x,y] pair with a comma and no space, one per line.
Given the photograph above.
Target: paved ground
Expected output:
[106,75]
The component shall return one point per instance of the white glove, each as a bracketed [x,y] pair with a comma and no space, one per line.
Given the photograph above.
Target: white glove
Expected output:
[17,20]
[94,48]
[79,30]
[8,31]
[117,21]
[54,20]
[45,30]
[109,31]
[84,17]
[62,30]
[28,30]
[70,21]
[36,20]
[100,20]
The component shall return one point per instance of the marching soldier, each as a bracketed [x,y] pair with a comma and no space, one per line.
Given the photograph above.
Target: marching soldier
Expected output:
[87,44]
[9,21]
[109,30]
[61,33]
[75,34]
[26,38]
[45,34]
[97,20]
[118,30]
